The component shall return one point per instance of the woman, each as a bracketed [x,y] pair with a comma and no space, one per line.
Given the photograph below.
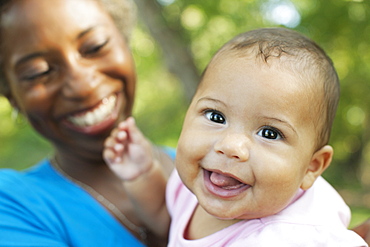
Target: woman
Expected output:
[66,66]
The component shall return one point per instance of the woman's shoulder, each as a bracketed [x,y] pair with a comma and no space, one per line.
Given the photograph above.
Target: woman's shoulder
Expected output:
[22,203]
[23,187]
[37,186]
[38,205]
[11,177]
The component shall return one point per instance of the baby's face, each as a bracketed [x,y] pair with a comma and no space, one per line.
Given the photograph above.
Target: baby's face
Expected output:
[247,140]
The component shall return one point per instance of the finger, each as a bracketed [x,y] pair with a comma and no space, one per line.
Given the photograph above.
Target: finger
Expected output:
[118,160]
[135,134]
[115,132]
[118,147]
[111,137]
[122,136]
[123,125]
[127,124]
[109,142]
[109,156]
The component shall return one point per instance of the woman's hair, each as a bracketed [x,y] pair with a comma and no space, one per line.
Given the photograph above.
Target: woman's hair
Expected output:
[123,13]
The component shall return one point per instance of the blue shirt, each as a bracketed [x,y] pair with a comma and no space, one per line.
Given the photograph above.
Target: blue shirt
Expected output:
[39,207]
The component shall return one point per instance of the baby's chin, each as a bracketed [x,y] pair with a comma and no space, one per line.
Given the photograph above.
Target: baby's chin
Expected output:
[225,216]
[241,216]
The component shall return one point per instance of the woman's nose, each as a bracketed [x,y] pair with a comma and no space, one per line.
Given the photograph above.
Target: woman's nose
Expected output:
[234,146]
[79,81]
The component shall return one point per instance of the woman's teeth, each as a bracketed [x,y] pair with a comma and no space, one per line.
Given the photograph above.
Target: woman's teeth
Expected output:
[95,115]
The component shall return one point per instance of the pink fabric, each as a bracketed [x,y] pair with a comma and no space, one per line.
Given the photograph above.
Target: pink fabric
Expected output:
[316,217]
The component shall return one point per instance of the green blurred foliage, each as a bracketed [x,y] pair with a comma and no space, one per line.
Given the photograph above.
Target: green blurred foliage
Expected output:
[341,27]
[20,146]
[159,104]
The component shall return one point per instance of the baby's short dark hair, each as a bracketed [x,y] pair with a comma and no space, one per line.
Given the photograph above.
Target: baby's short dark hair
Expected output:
[303,58]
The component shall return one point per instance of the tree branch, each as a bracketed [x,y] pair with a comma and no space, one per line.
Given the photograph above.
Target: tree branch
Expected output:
[176,54]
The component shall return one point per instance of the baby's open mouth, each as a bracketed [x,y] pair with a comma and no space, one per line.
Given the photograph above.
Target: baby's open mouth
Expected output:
[223,185]
[225,182]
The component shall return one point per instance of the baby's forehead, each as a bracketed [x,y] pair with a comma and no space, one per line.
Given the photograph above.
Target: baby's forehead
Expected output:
[231,61]
[276,71]
[290,64]
[298,65]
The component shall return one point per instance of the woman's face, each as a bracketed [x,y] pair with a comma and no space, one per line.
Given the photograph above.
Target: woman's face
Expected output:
[69,70]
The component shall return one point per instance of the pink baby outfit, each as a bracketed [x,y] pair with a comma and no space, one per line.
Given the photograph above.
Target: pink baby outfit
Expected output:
[316,217]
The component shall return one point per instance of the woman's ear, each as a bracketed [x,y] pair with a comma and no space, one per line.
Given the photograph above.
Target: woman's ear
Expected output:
[12,101]
[321,160]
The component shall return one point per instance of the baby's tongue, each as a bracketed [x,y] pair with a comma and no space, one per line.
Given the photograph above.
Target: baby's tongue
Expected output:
[225,182]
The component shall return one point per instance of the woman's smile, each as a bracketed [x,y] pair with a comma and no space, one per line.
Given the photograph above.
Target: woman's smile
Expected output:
[95,115]
[95,119]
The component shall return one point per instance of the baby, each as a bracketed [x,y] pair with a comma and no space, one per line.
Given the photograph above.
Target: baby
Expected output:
[253,146]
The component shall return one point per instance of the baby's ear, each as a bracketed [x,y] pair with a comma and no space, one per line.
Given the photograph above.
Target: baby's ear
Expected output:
[321,160]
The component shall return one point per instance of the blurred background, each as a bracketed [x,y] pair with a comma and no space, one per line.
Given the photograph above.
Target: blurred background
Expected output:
[175,39]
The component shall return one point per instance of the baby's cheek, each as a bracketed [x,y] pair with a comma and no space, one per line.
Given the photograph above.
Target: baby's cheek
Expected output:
[186,160]
[189,147]
[279,185]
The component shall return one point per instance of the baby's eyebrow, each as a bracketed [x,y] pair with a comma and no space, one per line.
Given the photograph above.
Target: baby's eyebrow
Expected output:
[282,122]
[211,99]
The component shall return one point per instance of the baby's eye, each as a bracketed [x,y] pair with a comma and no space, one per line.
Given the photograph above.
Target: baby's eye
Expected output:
[270,133]
[215,116]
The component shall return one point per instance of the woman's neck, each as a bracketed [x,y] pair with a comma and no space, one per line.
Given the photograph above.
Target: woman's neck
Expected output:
[99,181]
[92,172]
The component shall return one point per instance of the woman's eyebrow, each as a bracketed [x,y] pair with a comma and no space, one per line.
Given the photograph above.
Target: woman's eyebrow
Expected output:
[80,35]
[39,54]
[90,29]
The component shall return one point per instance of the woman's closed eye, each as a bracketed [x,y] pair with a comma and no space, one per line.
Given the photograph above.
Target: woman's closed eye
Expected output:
[34,71]
[37,75]
[93,49]
[215,116]
[270,133]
